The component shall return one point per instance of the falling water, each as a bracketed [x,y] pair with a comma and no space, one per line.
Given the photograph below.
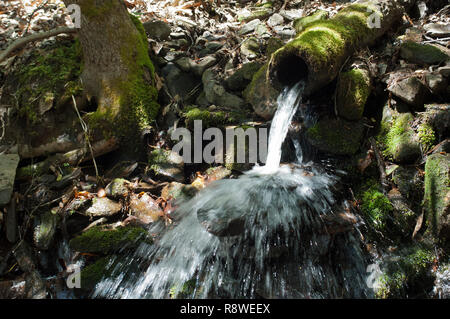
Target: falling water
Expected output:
[261,235]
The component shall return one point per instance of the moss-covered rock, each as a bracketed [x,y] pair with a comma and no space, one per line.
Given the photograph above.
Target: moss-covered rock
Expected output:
[98,240]
[399,139]
[407,275]
[437,196]
[302,23]
[45,229]
[239,80]
[178,191]
[272,45]
[261,94]
[352,92]
[422,53]
[211,117]
[336,136]
[375,206]
[166,164]
[118,188]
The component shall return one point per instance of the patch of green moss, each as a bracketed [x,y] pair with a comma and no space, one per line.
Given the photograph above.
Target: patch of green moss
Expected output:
[53,73]
[353,90]
[322,41]
[426,136]
[375,206]
[99,241]
[422,53]
[186,290]
[301,23]
[335,136]
[211,118]
[407,275]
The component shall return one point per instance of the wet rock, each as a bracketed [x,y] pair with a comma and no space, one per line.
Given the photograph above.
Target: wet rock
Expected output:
[166,165]
[118,188]
[178,82]
[216,94]
[103,207]
[99,240]
[336,136]
[35,287]
[45,229]
[8,166]
[261,94]
[410,90]
[422,53]
[157,29]
[145,208]
[437,196]
[222,223]
[249,27]
[177,190]
[217,173]
[437,30]
[409,182]
[242,77]
[250,48]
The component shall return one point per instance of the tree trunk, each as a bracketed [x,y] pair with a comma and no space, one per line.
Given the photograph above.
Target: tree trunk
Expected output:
[117,71]
[318,52]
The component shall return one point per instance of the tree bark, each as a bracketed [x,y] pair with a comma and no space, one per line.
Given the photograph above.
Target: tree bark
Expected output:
[117,70]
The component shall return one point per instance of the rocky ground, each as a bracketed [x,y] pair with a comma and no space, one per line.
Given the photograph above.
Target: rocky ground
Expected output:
[61,208]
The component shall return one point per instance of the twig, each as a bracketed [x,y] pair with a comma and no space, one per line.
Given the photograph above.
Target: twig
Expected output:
[86,134]
[33,37]
[30,17]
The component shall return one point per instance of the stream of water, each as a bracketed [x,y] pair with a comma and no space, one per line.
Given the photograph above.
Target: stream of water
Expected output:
[260,235]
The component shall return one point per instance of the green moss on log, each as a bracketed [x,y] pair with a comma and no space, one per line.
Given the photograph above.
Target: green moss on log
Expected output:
[302,23]
[352,92]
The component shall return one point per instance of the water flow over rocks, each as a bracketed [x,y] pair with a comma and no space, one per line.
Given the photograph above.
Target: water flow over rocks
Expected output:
[261,235]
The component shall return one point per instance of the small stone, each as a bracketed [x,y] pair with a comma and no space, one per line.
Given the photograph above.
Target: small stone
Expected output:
[177,190]
[103,207]
[200,66]
[250,48]
[249,27]
[275,19]
[410,90]
[239,80]
[166,165]
[145,208]
[157,29]
[118,188]
[293,14]
[436,82]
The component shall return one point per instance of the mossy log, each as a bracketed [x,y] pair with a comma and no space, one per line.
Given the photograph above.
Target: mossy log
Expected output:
[318,52]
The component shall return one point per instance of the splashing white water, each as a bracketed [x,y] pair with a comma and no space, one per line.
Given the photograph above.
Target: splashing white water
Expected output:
[271,240]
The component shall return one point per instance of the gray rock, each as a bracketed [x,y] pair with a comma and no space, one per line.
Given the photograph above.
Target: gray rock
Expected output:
[45,230]
[166,165]
[410,90]
[216,93]
[249,27]
[103,207]
[8,166]
[250,48]
[178,82]
[239,80]
[118,188]
[437,30]
[145,208]
[200,66]
[436,82]
[275,19]
[178,35]
[423,54]
[157,29]
[445,70]
[285,32]
[293,14]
